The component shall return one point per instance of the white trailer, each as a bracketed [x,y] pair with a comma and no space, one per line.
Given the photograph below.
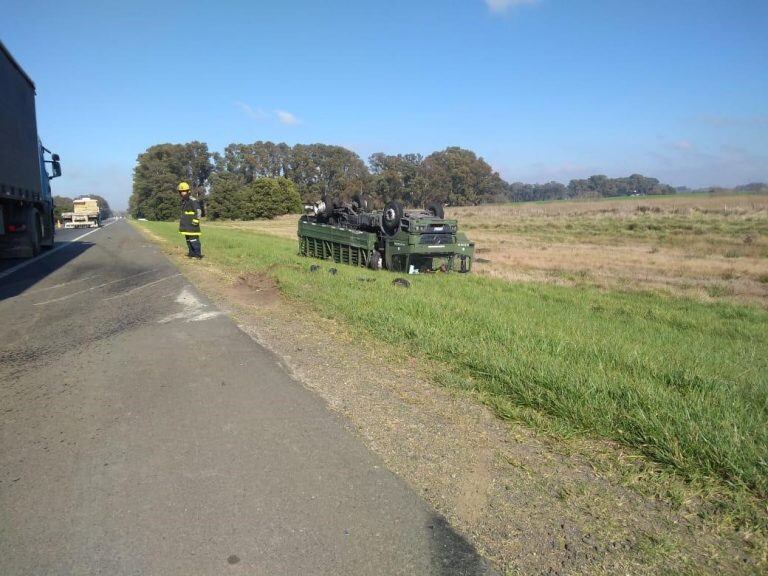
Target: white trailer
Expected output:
[85,214]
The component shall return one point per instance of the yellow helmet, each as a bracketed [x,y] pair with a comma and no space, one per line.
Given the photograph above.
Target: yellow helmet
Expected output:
[183,187]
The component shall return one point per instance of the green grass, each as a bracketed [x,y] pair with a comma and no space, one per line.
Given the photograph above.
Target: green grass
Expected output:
[684,382]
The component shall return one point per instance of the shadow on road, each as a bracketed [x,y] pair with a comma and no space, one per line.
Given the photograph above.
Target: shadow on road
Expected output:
[19,281]
[454,555]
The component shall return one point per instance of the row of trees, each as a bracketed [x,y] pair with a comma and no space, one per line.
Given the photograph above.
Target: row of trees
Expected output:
[592,187]
[264,179]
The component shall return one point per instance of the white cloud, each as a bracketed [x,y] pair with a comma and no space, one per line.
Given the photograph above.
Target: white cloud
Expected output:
[260,115]
[257,114]
[286,117]
[683,145]
[499,6]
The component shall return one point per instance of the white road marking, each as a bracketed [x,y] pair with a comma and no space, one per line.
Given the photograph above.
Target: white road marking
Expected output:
[205,316]
[68,296]
[49,252]
[60,285]
[147,285]
[193,309]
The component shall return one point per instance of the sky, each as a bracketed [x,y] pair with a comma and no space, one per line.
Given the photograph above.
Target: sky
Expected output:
[541,89]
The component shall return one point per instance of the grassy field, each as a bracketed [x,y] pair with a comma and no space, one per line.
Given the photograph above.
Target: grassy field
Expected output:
[708,247]
[712,248]
[680,380]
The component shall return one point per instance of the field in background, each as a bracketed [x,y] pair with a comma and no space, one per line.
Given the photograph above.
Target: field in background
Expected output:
[712,248]
[708,247]
[678,380]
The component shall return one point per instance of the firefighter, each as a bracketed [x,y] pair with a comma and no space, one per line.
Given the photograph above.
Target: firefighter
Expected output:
[189,225]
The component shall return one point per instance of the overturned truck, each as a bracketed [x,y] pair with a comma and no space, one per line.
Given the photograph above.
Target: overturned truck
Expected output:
[411,241]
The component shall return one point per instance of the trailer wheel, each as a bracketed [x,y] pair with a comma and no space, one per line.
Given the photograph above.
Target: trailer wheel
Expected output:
[364,202]
[34,233]
[375,262]
[48,242]
[436,209]
[390,219]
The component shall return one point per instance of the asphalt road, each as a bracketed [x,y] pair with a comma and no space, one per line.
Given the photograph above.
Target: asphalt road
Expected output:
[62,238]
[141,432]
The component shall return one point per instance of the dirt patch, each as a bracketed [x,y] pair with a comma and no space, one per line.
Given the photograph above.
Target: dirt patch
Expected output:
[472,501]
[252,289]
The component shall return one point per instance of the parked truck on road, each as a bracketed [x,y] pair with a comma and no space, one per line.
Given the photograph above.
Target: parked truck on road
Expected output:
[26,204]
[85,214]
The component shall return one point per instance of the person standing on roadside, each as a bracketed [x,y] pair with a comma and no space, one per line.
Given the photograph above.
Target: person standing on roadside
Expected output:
[189,224]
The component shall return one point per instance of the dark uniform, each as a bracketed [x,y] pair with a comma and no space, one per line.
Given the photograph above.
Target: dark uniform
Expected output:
[189,225]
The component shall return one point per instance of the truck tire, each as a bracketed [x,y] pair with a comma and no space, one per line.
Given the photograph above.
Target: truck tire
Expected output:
[48,241]
[34,232]
[436,209]
[330,204]
[390,219]
[364,202]
[375,262]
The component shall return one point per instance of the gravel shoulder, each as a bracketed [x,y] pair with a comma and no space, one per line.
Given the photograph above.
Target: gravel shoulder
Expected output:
[531,503]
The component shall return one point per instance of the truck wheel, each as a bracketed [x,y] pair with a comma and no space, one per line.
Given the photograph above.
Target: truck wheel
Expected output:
[390,219]
[375,262]
[364,202]
[436,209]
[47,243]
[330,204]
[34,233]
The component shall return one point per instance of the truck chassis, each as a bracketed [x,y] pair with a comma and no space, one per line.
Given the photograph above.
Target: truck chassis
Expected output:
[74,220]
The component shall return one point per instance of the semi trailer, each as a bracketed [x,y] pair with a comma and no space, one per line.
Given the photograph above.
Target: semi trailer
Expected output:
[26,204]
[85,214]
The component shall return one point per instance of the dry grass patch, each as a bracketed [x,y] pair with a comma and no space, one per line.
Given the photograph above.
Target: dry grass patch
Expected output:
[686,245]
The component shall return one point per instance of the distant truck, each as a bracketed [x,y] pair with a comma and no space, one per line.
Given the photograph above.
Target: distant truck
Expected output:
[86,214]
[26,205]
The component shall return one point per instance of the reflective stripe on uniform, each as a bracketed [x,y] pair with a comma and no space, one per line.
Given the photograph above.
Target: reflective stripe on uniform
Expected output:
[190,212]
[190,233]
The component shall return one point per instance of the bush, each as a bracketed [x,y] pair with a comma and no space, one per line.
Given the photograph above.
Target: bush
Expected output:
[232,198]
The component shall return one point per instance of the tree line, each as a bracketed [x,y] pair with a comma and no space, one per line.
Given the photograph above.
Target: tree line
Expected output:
[593,187]
[751,188]
[265,179]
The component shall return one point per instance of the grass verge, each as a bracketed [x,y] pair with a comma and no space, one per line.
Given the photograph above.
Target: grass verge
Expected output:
[681,381]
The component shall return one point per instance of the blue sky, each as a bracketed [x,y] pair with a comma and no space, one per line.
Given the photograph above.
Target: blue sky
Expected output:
[542,89]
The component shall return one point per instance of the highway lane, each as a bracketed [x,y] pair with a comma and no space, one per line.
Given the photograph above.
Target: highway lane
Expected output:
[142,432]
[62,238]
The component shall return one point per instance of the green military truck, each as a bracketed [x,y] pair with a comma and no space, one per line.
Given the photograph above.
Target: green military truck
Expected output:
[412,241]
